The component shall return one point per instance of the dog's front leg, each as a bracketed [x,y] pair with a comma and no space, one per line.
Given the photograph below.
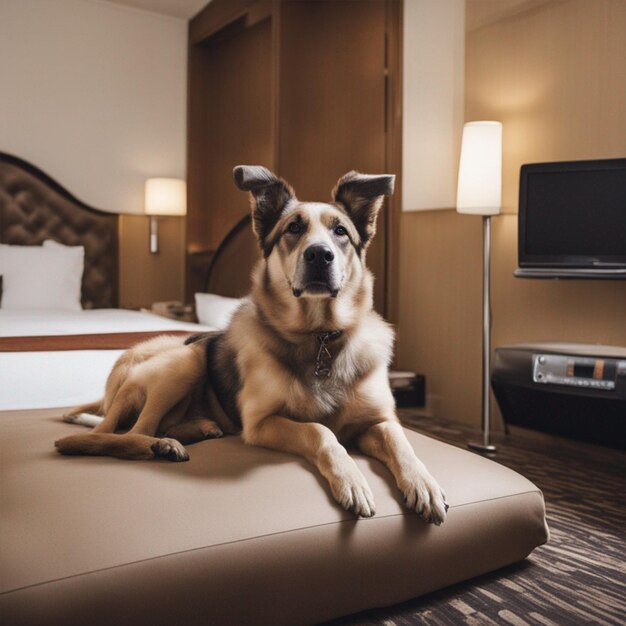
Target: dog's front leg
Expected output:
[387,442]
[318,445]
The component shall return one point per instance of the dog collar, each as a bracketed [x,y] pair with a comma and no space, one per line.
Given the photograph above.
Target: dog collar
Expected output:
[324,357]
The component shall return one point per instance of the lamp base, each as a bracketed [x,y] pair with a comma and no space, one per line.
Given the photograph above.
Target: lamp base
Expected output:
[485,448]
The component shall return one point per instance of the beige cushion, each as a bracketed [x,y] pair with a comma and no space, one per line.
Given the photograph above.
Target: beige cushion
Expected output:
[236,535]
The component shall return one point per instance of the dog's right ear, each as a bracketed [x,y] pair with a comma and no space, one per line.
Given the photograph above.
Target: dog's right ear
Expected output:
[269,197]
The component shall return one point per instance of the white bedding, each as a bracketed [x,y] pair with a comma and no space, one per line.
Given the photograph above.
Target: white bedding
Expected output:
[37,380]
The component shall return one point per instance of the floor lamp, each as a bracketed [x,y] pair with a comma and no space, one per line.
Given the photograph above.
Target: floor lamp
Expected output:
[479,193]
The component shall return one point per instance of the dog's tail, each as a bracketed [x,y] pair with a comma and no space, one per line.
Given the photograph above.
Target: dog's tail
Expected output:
[137,447]
[86,414]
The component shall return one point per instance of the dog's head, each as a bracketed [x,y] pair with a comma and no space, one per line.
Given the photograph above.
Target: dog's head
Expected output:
[317,245]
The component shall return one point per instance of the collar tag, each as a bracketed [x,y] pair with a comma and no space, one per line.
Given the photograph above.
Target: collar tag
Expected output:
[324,357]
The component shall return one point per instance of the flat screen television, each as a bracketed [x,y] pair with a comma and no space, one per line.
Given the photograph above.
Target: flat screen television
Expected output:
[572,219]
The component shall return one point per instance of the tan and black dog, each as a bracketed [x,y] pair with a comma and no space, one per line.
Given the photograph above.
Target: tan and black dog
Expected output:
[301,368]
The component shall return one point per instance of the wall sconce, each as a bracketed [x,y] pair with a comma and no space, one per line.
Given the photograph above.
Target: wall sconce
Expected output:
[479,192]
[164,197]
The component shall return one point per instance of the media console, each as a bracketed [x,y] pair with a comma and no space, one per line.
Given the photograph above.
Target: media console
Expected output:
[568,389]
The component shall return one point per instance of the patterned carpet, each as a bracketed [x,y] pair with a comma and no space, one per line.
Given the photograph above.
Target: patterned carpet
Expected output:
[578,577]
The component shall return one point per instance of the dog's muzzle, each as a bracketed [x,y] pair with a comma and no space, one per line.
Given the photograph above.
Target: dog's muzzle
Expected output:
[319,275]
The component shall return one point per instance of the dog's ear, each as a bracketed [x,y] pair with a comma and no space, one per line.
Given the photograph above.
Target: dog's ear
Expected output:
[362,195]
[269,197]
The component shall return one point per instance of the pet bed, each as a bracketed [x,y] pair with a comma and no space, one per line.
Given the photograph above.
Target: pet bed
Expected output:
[238,535]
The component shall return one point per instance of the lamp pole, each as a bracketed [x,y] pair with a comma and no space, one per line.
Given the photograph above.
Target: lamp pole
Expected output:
[479,192]
[486,445]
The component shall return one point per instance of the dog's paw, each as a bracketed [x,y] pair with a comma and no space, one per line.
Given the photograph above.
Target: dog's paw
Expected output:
[169,449]
[423,495]
[351,490]
[65,445]
[210,429]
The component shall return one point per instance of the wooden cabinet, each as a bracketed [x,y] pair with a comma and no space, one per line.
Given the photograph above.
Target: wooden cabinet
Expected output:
[308,88]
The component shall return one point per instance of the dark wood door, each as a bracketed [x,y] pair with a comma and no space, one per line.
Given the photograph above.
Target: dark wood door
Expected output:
[299,86]
[332,101]
[230,122]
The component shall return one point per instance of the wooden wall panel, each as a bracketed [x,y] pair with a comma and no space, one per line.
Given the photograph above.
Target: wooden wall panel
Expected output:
[231,117]
[237,128]
[393,153]
[146,278]
[240,120]
[198,220]
[440,323]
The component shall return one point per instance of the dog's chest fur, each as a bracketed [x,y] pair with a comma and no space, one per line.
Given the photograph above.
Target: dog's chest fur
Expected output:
[323,398]
[322,377]
[277,376]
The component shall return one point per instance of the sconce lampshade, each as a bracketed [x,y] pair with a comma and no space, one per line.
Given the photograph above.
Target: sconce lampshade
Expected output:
[479,189]
[166,196]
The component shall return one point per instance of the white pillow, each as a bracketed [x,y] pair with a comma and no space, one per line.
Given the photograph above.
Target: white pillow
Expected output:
[41,277]
[76,256]
[216,311]
[51,243]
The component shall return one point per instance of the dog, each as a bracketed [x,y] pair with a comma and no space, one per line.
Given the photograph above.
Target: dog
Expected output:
[303,365]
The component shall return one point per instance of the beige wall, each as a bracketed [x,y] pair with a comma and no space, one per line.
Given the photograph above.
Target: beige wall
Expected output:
[432,119]
[555,76]
[94,94]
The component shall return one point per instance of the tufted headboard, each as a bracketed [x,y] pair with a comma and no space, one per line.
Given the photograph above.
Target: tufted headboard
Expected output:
[34,207]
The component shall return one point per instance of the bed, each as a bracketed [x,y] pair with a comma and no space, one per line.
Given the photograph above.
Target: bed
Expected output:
[75,346]
[238,535]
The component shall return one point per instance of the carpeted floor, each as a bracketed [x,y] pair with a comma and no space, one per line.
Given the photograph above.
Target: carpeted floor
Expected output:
[578,577]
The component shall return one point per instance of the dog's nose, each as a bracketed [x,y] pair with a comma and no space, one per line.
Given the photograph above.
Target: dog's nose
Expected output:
[319,255]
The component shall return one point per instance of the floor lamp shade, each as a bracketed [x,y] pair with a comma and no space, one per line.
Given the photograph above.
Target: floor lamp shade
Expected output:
[479,190]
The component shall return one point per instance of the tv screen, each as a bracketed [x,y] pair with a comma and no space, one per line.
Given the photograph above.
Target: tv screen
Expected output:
[573,214]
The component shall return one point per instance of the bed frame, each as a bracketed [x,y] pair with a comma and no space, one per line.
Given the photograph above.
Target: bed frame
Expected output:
[229,270]
[34,207]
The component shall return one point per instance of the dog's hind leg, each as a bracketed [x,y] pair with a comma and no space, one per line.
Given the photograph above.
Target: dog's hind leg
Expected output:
[157,406]
[167,399]
[193,431]
[128,446]
[126,400]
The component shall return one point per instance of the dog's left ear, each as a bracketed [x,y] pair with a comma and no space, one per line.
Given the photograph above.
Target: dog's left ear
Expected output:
[362,196]
[269,197]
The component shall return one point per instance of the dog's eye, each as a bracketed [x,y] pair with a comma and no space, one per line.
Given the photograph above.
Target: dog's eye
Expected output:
[294,227]
[340,231]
